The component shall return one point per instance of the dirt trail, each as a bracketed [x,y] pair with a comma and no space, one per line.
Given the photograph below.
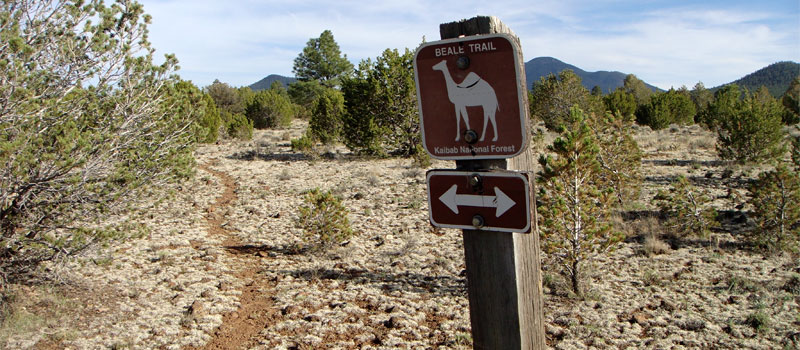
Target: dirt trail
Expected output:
[239,329]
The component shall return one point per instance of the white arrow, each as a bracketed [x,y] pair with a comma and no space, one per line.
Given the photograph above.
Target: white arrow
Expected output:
[500,200]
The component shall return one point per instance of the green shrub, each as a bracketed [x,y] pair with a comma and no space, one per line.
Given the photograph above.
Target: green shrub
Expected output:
[303,144]
[238,126]
[759,320]
[186,99]
[323,219]
[326,119]
[688,209]
[270,109]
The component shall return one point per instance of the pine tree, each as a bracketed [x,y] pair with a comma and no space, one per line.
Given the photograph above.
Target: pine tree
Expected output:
[791,101]
[575,207]
[688,209]
[775,198]
[88,122]
[619,157]
[322,60]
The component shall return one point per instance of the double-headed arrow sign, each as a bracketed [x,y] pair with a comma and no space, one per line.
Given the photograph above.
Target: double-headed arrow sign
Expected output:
[486,200]
[500,200]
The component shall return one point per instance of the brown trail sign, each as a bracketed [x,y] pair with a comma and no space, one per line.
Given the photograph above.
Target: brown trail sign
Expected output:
[490,201]
[469,76]
[469,102]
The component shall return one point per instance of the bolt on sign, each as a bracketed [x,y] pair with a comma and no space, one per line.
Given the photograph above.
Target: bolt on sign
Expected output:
[471,101]
[485,200]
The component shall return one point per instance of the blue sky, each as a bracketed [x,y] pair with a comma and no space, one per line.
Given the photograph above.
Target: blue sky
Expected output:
[665,43]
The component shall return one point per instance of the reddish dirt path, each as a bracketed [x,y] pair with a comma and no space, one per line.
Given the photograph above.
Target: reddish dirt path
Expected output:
[239,329]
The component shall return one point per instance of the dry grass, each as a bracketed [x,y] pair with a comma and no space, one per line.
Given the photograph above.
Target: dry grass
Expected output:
[653,246]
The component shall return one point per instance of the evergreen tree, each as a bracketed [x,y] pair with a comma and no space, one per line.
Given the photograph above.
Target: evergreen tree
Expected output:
[619,157]
[636,87]
[575,207]
[621,104]
[752,131]
[775,198]
[226,98]
[185,98]
[671,107]
[88,124]
[553,97]
[702,98]
[270,109]
[791,101]
[381,102]
[688,209]
[304,94]
[722,106]
[322,60]
[326,120]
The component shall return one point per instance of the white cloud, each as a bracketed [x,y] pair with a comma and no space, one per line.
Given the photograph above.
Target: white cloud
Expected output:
[241,42]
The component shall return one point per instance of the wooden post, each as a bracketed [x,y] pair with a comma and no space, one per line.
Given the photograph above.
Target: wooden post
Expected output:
[503,269]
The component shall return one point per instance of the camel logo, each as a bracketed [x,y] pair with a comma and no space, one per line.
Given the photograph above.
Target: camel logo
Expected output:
[460,80]
[472,91]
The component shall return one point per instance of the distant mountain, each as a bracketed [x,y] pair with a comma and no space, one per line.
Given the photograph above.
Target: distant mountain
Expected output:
[776,77]
[543,66]
[265,83]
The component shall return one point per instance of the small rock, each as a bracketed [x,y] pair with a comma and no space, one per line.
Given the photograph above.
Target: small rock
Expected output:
[668,305]
[290,309]
[693,325]
[640,318]
[196,309]
[311,318]
[391,322]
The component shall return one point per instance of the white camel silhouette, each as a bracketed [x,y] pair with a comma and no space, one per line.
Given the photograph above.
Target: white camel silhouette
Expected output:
[473,91]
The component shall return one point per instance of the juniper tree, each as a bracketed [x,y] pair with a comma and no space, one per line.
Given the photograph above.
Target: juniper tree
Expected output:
[752,131]
[326,120]
[775,198]
[270,109]
[381,104]
[575,206]
[553,96]
[87,123]
[671,107]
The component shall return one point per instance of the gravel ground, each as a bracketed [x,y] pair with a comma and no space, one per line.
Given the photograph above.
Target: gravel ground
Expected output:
[221,267]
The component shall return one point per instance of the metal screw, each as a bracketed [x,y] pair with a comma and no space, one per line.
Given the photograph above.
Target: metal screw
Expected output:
[478,221]
[471,136]
[474,180]
[462,62]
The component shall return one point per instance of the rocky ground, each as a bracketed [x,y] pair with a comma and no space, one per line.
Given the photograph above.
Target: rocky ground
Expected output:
[222,267]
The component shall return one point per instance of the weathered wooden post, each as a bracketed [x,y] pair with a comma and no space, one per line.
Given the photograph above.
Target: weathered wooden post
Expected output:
[477,70]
